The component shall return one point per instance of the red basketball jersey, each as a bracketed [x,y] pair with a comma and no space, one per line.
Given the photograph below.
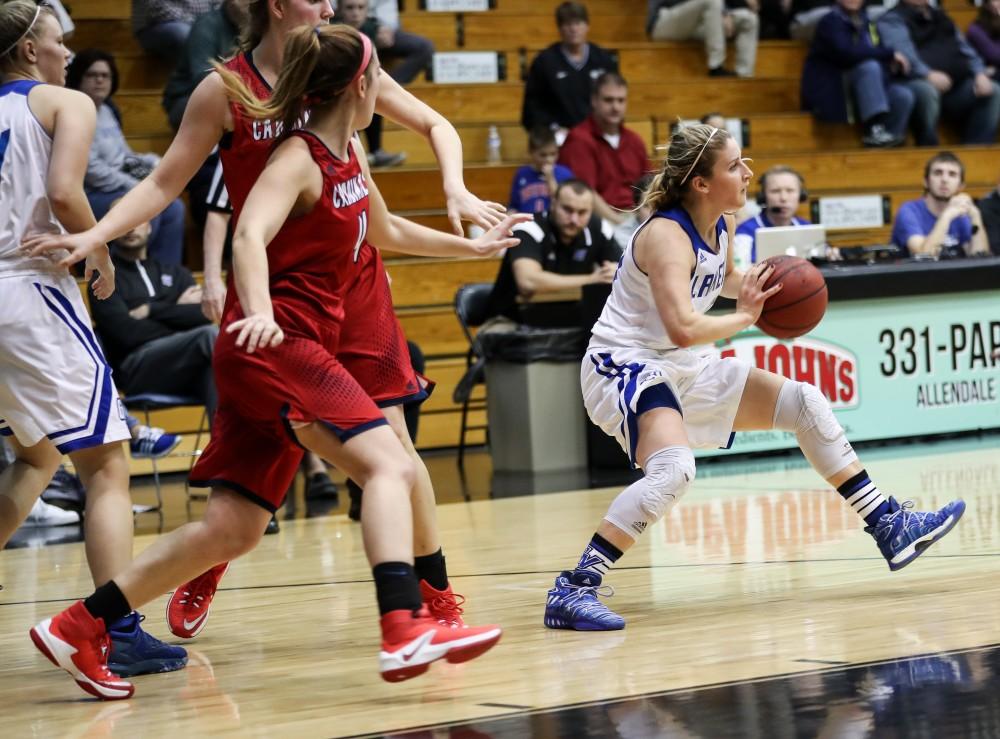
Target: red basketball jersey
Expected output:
[245,150]
[312,258]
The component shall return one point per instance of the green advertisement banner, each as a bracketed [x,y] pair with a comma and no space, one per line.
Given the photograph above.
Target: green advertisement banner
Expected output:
[890,367]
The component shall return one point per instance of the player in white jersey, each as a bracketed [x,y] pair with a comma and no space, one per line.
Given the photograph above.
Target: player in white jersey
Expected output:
[646,382]
[56,392]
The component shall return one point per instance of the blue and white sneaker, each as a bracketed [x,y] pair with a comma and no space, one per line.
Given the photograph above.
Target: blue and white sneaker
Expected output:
[153,443]
[134,652]
[903,534]
[572,604]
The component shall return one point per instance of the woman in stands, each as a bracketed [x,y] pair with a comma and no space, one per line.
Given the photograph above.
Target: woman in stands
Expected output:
[281,387]
[56,392]
[375,350]
[649,381]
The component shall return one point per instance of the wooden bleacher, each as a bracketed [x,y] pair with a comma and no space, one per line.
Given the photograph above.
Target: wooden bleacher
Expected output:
[666,82]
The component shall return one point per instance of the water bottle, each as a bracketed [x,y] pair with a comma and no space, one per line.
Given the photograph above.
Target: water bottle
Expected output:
[493,146]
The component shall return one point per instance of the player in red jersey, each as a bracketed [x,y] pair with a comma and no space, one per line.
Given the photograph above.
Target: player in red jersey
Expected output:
[281,386]
[374,359]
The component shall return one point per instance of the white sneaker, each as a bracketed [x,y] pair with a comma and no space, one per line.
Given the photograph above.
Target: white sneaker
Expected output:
[46,514]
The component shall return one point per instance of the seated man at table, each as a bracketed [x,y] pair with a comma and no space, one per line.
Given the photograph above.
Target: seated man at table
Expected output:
[782,190]
[565,248]
[945,222]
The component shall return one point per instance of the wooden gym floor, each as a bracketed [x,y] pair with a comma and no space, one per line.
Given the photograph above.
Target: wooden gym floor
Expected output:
[759,608]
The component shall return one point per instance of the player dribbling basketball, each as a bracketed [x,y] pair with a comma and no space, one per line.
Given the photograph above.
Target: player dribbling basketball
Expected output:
[646,383]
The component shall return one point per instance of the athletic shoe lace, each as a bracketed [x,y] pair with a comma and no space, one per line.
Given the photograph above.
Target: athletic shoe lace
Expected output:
[583,599]
[102,644]
[448,607]
[910,519]
[199,589]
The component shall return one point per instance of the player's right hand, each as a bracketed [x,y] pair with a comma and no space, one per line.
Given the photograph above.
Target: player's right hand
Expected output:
[100,262]
[79,246]
[500,236]
[257,331]
[752,293]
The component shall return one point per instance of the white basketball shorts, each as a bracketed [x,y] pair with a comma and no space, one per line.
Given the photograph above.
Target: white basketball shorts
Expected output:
[54,379]
[707,390]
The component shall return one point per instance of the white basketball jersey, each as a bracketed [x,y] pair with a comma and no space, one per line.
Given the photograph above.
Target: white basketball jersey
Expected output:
[630,318]
[25,148]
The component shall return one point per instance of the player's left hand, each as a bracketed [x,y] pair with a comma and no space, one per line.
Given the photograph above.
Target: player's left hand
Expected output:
[499,237]
[466,206]
[100,262]
[257,331]
[80,246]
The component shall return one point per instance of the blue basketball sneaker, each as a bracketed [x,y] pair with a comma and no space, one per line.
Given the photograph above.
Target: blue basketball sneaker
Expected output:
[572,604]
[903,534]
[134,652]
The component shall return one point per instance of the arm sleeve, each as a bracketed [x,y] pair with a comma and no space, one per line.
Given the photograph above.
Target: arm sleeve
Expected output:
[177,317]
[529,248]
[975,61]
[101,176]
[119,328]
[386,12]
[988,49]
[841,48]
[896,36]
[534,111]
[907,224]
[608,251]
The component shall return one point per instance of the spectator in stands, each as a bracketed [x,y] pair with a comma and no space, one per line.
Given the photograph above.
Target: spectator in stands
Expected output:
[945,222]
[557,91]
[533,185]
[155,336]
[782,190]
[984,35]
[710,21]
[113,168]
[715,120]
[775,19]
[989,208]
[946,75]
[848,74]
[162,26]
[565,248]
[379,21]
[606,155]
[213,37]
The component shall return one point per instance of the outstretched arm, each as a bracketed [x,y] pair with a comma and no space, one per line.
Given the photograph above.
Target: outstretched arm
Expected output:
[399,105]
[204,123]
[388,231]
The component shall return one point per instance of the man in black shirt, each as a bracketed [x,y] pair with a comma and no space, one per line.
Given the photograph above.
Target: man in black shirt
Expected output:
[154,334]
[946,75]
[567,247]
[989,208]
[557,91]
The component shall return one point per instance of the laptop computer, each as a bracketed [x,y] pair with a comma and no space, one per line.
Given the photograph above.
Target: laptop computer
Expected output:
[797,241]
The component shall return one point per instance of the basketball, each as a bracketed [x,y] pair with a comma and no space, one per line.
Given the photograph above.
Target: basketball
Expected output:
[801,303]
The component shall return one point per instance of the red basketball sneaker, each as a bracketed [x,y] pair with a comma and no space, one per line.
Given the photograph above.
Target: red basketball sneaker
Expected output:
[188,607]
[77,642]
[411,640]
[444,605]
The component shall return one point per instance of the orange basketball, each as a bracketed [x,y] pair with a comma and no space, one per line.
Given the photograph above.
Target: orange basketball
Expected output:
[801,303]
